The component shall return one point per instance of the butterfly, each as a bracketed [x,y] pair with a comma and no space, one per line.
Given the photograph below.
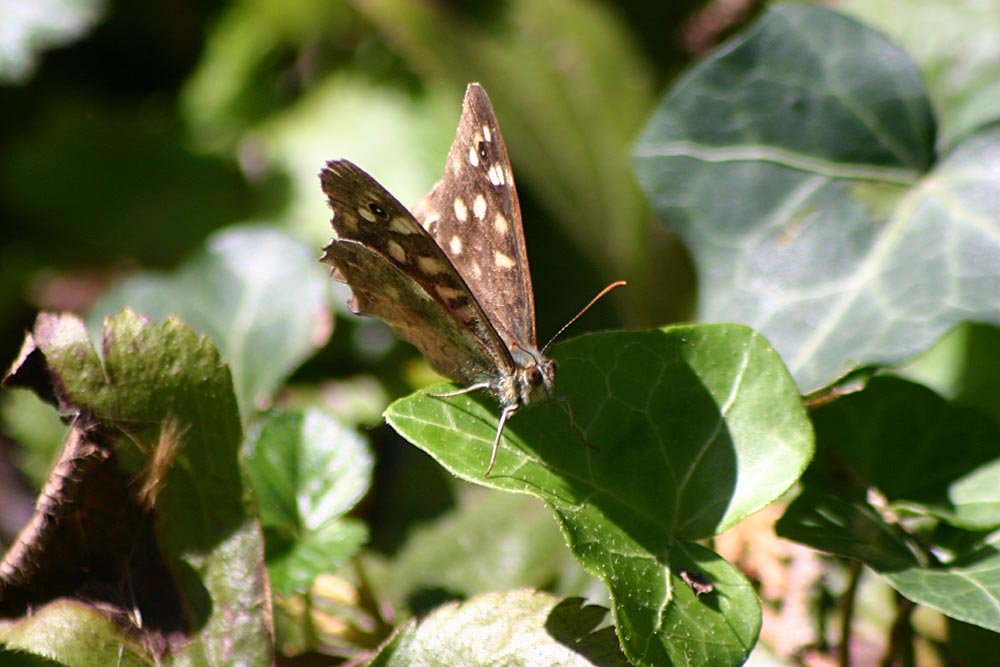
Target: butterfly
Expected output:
[451,277]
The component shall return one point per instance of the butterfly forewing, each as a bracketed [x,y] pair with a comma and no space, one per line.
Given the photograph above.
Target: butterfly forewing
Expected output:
[474,215]
[456,284]
[399,274]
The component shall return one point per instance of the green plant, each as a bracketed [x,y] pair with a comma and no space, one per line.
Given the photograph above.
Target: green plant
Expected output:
[214,505]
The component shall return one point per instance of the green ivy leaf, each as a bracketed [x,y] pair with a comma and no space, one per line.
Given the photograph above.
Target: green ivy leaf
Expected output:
[259,294]
[519,628]
[837,236]
[308,471]
[891,436]
[845,523]
[968,588]
[690,429]
[923,458]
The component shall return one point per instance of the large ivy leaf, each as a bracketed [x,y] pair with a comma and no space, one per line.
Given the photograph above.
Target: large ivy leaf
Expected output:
[160,399]
[520,628]
[688,430]
[308,471]
[797,164]
[259,294]
[957,48]
[890,458]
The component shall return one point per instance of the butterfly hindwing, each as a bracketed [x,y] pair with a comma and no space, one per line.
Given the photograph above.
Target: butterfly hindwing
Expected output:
[456,284]
[474,215]
[398,274]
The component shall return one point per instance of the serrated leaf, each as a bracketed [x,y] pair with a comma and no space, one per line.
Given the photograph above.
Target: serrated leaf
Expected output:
[155,383]
[256,292]
[20,659]
[312,553]
[693,429]
[75,635]
[838,236]
[308,471]
[519,628]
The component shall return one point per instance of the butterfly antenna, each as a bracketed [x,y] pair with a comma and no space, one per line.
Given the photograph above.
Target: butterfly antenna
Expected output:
[600,295]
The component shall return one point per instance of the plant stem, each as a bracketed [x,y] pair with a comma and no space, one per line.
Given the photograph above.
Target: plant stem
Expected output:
[847,613]
[899,652]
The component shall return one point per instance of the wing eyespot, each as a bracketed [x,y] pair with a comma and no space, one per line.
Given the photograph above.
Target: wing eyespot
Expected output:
[378,210]
[482,150]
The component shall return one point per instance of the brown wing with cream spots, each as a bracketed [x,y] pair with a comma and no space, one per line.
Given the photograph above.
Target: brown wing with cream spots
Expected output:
[474,215]
[398,274]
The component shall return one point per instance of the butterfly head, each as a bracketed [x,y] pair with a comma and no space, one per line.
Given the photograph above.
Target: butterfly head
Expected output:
[535,379]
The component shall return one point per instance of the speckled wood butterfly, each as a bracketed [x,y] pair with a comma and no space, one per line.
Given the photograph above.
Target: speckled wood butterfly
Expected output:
[455,284]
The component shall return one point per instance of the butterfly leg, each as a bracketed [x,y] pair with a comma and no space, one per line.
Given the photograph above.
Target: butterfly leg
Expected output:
[504,416]
[464,390]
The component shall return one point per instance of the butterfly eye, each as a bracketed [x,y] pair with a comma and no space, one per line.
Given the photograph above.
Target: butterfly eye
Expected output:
[534,376]
[378,210]
[482,150]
